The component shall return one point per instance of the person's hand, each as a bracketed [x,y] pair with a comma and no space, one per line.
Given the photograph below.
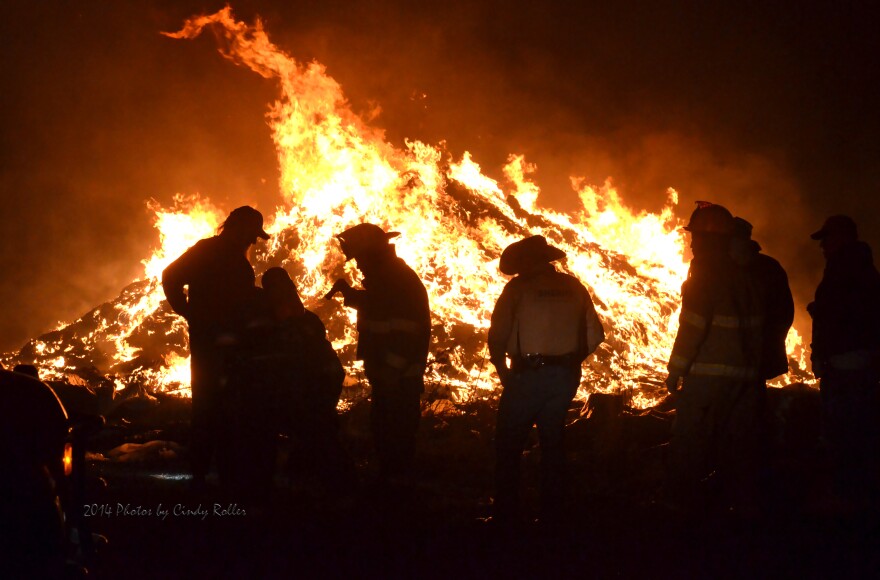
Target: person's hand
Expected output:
[504,374]
[339,286]
[673,383]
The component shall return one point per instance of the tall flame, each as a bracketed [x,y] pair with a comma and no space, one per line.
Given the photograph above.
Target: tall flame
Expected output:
[337,171]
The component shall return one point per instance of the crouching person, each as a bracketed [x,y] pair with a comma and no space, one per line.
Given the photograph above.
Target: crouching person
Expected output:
[546,325]
[302,379]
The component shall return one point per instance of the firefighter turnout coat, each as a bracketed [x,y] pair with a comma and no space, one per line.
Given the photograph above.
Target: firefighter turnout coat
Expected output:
[394,320]
[721,325]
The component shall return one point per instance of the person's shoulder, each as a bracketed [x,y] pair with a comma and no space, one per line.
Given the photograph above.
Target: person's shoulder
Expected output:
[399,266]
[569,279]
[862,253]
[313,320]
[768,262]
[402,273]
[204,246]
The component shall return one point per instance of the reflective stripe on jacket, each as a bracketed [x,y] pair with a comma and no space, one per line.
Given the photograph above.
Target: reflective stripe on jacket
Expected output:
[394,318]
[721,324]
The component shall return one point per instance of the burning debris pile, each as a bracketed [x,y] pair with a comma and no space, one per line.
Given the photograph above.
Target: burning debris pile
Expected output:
[336,171]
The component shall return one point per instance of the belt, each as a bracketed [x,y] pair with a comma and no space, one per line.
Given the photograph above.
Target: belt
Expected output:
[536,361]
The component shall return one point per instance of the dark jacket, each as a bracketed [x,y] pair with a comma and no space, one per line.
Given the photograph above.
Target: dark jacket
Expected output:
[721,324]
[287,364]
[779,304]
[220,283]
[846,310]
[394,318]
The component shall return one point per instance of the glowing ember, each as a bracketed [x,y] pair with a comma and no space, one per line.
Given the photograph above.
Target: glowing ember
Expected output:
[337,171]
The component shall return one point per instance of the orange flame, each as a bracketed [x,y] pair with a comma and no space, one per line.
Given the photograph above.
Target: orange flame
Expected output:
[336,171]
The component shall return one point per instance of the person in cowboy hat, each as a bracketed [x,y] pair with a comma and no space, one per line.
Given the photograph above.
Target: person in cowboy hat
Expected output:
[394,333]
[545,323]
[210,285]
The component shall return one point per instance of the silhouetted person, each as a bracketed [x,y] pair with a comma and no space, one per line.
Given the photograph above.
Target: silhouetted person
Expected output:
[715,370]
[845,348]
[779,304]
[546,324]
[394,332]
[210,285]
[29,370]
[32,437]
[292,378]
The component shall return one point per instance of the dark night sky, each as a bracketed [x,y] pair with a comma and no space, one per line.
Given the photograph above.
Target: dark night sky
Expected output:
[769,110]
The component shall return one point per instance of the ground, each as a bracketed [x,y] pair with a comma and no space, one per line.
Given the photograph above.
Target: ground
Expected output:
[437,526]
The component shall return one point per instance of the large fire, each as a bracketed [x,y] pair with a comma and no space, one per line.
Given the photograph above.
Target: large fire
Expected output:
[337,171]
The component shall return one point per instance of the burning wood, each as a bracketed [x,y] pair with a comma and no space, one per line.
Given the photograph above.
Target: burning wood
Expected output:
[337,171]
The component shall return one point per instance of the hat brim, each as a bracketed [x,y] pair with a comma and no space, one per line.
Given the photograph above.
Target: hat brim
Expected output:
[818,235]
[262,234]
[520,255]
[554,253]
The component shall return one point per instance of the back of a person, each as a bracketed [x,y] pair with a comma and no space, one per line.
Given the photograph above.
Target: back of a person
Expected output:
[732,302]
[222,282]
[396,309]
[549,314]
[779,314]
[846,313]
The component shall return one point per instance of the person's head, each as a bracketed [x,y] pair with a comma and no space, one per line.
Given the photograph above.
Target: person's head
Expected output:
[711,227]
[243,226]
[281,293]
[836,232]
[742,229]
[527,255]
[365,242]
[29,370]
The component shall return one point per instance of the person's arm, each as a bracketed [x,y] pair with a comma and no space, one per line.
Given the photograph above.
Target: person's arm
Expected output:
[595,333]
[174,278]
[352,297]
[500,329]
[694,322]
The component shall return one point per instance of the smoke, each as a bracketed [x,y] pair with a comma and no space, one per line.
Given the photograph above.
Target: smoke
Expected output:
[736,106]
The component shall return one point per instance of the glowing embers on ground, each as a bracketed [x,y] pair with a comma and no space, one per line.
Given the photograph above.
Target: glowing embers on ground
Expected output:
[336,171]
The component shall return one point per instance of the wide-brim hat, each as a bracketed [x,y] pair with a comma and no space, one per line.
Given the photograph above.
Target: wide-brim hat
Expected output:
[526,253]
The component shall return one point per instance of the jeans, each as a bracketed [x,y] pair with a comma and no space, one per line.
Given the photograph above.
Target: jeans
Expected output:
[542,397]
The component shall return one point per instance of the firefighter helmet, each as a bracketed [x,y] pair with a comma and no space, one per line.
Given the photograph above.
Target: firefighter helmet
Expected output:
[363,239]
[710,218]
